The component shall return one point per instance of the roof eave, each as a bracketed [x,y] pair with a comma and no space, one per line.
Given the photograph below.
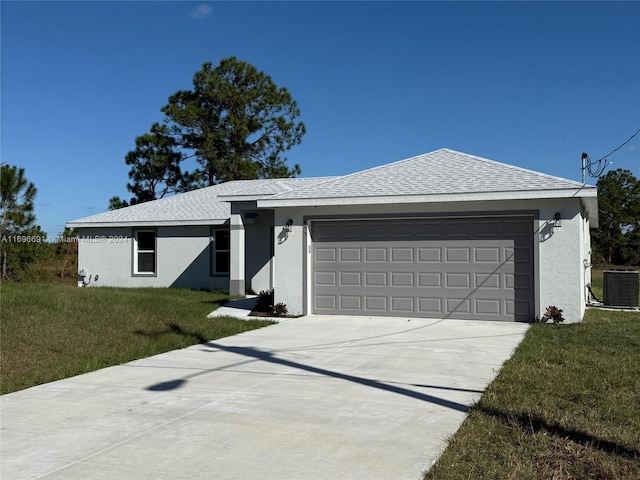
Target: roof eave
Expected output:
[148,223]
[586,191]
[590,206]
[244,198]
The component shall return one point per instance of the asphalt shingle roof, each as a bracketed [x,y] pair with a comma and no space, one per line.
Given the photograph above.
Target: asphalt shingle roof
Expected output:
[440,173]
[276,186]
[200,205]
[437,173]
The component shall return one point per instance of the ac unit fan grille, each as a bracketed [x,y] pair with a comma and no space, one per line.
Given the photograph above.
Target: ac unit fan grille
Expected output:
[621,288]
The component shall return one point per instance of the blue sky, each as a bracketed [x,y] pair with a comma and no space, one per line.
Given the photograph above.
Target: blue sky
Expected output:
[531,84]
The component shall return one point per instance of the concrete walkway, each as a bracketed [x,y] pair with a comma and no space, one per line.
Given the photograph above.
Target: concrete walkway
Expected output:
[240,308]
[309,398]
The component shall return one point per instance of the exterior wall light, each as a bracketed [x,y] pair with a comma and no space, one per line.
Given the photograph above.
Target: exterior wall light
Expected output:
[556,219]
[289,225]
[83,281]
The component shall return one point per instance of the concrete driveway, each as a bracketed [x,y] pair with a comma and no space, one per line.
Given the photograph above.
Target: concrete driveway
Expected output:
[310,398]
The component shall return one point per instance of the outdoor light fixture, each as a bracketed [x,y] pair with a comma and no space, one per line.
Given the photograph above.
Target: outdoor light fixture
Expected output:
[84,279]
[289,225]
[556,219]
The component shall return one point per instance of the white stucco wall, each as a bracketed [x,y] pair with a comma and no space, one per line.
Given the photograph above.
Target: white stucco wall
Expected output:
[256,258]
[559,252]
[561,259]
[182,256]
[289,261]
[258,261]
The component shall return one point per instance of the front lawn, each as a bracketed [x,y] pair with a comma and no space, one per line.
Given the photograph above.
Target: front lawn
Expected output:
[49,332]
[565,406]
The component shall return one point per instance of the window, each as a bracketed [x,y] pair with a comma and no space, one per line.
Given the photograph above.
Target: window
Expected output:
[144,258]
[220,251]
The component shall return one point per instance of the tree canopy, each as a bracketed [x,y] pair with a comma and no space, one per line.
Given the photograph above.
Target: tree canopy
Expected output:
[155,166]
[235,122]
[617,240]
[17,195]
[16,200]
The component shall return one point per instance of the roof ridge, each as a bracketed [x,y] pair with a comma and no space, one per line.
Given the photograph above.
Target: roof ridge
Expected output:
[282,182]
[342,177]
[395,163]
[321,181]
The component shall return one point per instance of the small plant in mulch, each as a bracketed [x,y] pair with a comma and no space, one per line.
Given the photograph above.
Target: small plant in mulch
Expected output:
[280,310]
[553,313]
[265,307]
[265,301]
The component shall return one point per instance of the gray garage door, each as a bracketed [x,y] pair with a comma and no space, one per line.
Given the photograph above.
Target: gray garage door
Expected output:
[469,268]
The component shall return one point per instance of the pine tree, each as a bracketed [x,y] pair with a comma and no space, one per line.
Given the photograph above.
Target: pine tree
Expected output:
[16,205]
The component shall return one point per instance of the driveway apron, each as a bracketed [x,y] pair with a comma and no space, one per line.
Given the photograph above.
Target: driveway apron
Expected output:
[317,397]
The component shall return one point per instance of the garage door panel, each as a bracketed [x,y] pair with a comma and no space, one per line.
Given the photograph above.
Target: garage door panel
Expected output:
[375,231]
[326,255]
[519,308]
[458,306]
[457,229]
[376,304]
[375,279]
[326,302]
[351,302]
[426,279]
[402,304]
[523,281]
[375,254]
[402,230]
[402,279]
[466,268]
[401,254]
[517,228]
[523,307]
[349,231]
[522,255]
[488,229]
[458,280]
[488,306]
[429,229]
[326,278]
[487,254]
[350,254]
[490,280]
[457,254]
[351,279]
[430,305]
[324,231]
[429,254]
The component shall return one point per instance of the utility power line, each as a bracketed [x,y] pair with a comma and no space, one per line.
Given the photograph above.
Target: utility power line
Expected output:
[596,168]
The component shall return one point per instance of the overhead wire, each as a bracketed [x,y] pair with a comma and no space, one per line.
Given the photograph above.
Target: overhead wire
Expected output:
[601,163]
[619,147]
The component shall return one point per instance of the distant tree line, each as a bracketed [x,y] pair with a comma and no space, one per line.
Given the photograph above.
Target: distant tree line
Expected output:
[617,239]
[23,244]
[235,122]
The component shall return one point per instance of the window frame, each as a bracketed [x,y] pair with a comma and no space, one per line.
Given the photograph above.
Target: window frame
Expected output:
[214,250]
[135,272]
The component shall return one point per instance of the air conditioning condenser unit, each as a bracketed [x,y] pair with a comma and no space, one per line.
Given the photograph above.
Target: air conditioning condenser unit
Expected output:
[621,288]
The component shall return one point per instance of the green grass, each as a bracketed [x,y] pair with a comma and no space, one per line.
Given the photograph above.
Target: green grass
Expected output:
[597,275]
[565,406]
[54,331]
